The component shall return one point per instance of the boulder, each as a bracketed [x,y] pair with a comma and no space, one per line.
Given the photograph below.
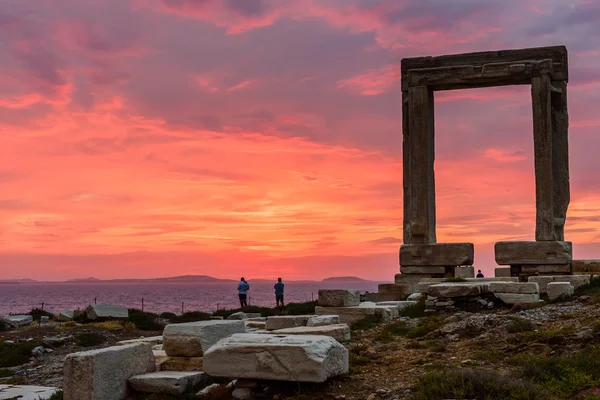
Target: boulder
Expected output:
[66,315]
[238,316]
[557,290]
[416,297]
[242,394]
[295,358]
[102,374]
[322,320]
[349,315]
[104,311]
[38,351]
[338,298]
[517,298]
[286,321]
[153,340]
[514,287]
[18,320]
[340,332]
[457,289]
[192,339]
[168,382]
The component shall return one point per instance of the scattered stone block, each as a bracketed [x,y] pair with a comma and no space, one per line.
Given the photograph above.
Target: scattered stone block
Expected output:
[286,321]
[18,320]
[543,281]
[102,374]
[152,340]
[514,287]
[592,266]
[393,291]
[406,269]
[340,332]
[464,272]
[44,319]
[518,298]
[256,324]
[105,311]
[23,392]
[338,298]
[533,253]
[502,272]
[437,254]
[168,382]
[295,358]
[323,320]
[238,316]
[399,304]
[66,315]
[349,315]
[192,339]
[416,297]
[457,289]
[557,290]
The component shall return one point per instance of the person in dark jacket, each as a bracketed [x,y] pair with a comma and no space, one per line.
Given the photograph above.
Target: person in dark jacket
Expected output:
[279,292]
[479,274]
[243,288]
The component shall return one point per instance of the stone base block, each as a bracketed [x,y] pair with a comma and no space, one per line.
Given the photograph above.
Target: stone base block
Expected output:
[546,269]
[557,290]
[293,358]
[404,279]
[502,272]
[323,320]
[349,315]
[457,289]
[103,374]
[514,287]
[338,298]
[168,382]
[440,254]
[575,280]
[393,291]
[340,332]
[287,321]
[517,298]
[429,270]
[192,339]
[533,253]
[592,266]
[464,272]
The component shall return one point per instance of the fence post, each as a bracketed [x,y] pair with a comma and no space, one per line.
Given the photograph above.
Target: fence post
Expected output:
[42,306]
[182,308]
[142,304]
[94,300]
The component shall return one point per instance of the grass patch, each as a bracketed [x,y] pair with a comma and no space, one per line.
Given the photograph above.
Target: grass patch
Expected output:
[519,325]
[543,335]
[592,288]
[191,316]
[368,322]
[415,345]
[426,325]
[144,321]
[108,325]
[12,355]
[5,372]
[89,339]
[564,375]
[58,395]
[38,313]
[414,311]
[474,384]
[436,346]
[489,355]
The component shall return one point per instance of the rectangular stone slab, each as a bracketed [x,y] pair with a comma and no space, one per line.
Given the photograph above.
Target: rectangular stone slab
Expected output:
[153,340]
[192,339]
[501,272]
[405,269]
[349,315]
[293,358]
[575,280]
[103,374]
[585,266]
[340,332]
[437,254]
[338,298]
[523,253]
[96,311]
[323,320]
[517,298]
[458,289]
[559,289]
[286,321]
[167,382]
[514,287]
[546,269]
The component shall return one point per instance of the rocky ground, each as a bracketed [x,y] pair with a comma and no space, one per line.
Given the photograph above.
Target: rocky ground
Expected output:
[513,351]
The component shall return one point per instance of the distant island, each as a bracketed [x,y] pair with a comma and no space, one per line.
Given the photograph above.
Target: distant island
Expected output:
[183,279]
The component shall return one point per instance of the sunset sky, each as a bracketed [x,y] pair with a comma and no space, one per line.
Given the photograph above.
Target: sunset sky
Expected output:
[150,138]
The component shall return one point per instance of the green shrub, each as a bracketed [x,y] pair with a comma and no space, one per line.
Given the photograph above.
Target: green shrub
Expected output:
[89,339]
[565,375]
[167,315]
[4,326]
[37,314]
[474,384]
[306,308]
[191,316]
[143,320]
[413,344]
[490,355]
[368,322]
[436,346]
[414,311]
[426,325]
[58,395]
[519,325]
[5,372]
[12,355]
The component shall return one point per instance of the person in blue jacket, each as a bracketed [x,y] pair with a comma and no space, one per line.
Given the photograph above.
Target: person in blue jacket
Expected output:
[279,292]
[243,288]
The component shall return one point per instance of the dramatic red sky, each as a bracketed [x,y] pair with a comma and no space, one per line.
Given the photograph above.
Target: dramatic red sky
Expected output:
[145,138]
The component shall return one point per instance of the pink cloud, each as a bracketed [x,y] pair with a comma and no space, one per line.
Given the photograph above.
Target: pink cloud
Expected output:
[374,81]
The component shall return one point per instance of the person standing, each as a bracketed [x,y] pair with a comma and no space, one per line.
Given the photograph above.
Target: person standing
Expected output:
[243,288]
[279,292]
[479,274]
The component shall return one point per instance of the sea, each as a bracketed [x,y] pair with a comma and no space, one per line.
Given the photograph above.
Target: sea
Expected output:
[157,297]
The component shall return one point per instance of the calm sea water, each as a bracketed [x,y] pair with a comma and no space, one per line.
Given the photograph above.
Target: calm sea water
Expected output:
[158,297]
